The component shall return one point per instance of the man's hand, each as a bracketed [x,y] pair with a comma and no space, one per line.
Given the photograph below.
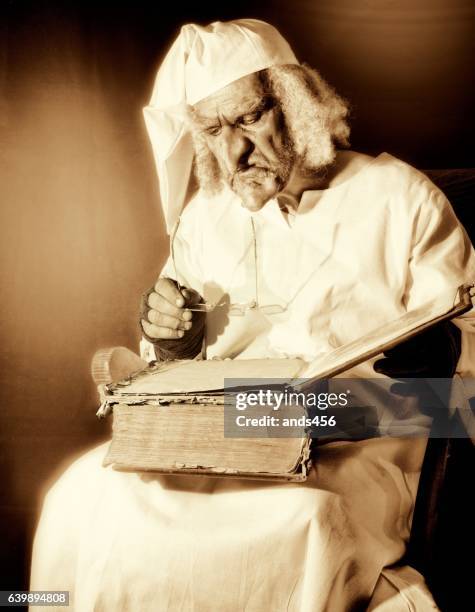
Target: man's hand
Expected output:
[431,354]
[163,314]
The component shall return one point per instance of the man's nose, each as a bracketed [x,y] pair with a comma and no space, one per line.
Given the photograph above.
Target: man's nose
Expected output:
[235,148]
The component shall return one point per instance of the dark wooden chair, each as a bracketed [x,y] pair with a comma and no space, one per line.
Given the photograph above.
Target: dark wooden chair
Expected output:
[444,509]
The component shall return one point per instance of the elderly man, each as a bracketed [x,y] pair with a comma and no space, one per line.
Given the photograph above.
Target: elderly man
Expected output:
[339,241]
[291,247]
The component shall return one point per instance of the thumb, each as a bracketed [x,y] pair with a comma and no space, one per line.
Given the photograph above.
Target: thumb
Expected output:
[191,296]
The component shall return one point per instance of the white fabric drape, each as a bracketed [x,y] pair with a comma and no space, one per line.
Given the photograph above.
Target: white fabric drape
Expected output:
[353,257]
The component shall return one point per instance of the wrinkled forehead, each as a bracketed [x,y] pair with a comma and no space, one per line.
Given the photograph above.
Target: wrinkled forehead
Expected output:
[238,97]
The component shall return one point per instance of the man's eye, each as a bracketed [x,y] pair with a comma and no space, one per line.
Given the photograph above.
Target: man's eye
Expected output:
[214,130]
[250,118]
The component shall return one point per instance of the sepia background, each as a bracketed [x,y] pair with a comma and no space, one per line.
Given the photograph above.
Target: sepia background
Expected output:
[82,232]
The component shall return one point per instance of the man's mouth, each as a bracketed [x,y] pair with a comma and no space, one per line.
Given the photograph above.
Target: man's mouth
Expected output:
[254,174]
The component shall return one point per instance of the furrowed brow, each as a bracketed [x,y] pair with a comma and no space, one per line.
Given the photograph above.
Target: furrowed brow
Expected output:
[200,122]
[257,106]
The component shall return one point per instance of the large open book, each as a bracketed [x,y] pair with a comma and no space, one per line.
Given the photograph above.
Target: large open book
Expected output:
[170,417]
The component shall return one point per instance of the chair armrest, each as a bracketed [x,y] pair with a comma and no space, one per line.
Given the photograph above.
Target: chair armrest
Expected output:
[113,364]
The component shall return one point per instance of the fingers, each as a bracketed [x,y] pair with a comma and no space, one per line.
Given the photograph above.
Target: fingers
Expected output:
[161,333]
[165,315]
[192,297]
[160,304]
[164,320]
[168,289]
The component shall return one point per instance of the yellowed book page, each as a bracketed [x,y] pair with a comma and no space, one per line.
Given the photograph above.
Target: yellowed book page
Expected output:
[206,375]
[188,436]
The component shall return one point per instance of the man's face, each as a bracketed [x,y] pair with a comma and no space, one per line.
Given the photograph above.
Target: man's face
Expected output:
[243,127]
